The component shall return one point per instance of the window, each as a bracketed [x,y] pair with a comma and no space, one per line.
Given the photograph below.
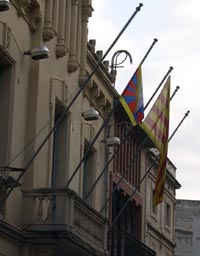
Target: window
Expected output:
[168,214]
[127,163]
[6,70]
[60,148]
[130,219]
[88,172]
[154,209]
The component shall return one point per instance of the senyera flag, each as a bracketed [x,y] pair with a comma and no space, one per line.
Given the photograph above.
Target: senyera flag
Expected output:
[132,98]
[156,125]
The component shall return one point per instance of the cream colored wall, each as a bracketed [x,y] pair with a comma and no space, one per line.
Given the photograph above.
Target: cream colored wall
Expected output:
[159,236]
[36,86]
[17,41]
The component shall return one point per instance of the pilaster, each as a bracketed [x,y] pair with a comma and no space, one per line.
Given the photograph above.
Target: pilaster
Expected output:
[61,48]
[73,64]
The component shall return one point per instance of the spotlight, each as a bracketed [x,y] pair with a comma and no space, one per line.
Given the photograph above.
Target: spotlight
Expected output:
[113,141]
[4,5]
[38,53]
[90,115]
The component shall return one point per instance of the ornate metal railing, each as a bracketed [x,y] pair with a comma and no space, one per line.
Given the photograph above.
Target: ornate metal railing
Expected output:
[124,244]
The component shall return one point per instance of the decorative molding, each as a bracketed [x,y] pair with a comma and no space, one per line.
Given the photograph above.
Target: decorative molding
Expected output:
[82,76]
[86,225]
[5,35]
[97,98]
[30,11]
[61,50]
[75,2]
[106,109]
[48,33]
[100,100]
[87,9]
[72,65]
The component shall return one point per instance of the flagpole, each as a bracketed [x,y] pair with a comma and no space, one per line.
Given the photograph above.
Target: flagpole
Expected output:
[175,91]
[186,114]
[169,71]
[146,173]
[102,126]
[116,151]
[122,177]
[150,48]
[72,101]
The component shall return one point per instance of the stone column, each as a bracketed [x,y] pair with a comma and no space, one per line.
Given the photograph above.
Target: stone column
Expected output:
[68,24]
[73,64]
[55,15]
[79,35]
[61,48]
[86,13]
[48,32]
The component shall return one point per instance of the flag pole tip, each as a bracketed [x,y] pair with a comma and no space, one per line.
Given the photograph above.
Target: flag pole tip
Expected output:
[171,68]
[139,7]
[155,40]
[187,113]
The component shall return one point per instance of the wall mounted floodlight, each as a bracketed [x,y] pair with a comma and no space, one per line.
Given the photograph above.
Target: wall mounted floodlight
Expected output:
[113,141]
[38,53]
[90,115]
[4,5]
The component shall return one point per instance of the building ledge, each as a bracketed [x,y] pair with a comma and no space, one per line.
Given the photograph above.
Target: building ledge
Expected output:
[62,211]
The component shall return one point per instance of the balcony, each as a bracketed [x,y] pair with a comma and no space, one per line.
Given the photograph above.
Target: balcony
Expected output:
[124,244]
[61,213]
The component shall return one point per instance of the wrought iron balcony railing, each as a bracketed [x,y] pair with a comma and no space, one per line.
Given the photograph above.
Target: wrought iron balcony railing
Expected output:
[124,244]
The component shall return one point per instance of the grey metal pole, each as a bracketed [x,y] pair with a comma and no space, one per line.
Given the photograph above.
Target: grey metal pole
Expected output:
[71,103]
[105,121]
[139,149]
[102,126]
[146,173]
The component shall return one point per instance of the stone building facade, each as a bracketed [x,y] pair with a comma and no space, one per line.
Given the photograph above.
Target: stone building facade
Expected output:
[45,58]
[160,221]
[187,227]
[42,215]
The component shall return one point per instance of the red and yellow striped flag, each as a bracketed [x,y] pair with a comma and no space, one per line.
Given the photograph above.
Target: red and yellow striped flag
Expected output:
[156,125]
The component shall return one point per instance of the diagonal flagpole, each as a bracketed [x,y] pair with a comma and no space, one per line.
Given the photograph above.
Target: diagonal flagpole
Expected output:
[130,164]
[146,173]
[128,134]
[84,84]
[103,125]
[117,150]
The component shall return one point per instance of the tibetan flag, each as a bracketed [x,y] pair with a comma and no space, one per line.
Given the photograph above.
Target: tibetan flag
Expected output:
[132,98]
[156,125]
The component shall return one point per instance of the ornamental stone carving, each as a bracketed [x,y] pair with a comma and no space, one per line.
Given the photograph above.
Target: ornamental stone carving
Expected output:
[30,11]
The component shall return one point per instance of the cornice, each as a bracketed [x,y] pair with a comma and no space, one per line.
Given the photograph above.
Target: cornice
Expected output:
[87,9]
[128,189]
[102,74]
[160,234]
[12,232]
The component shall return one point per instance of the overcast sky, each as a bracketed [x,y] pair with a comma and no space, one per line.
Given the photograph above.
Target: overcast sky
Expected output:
[176,25]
